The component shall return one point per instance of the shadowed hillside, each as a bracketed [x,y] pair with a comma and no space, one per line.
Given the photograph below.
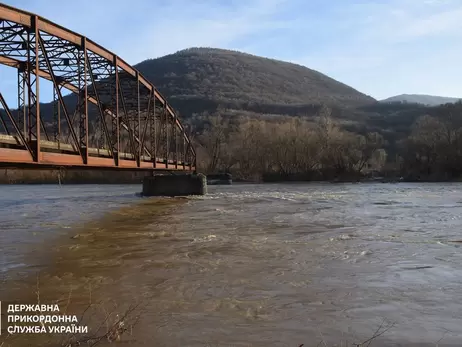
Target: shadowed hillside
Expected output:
[206,76]
[198,80]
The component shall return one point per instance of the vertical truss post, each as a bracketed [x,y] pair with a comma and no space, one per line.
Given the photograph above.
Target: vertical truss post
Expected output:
[83,100]
[195,164]
[161,148]
[33,96]
[184,150]
[21,115]
[187,155]
[175,132]
[190,152]
[116,118]
[166,139]
[153,131]
[172,138]
[137,126]
[56,116]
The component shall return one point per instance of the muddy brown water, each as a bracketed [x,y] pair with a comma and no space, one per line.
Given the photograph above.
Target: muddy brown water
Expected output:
[246,265]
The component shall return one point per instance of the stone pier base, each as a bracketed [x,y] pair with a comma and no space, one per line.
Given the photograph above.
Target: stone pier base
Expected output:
[175,185]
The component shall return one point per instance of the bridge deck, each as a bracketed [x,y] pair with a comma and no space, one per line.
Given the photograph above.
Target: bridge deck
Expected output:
[62,154]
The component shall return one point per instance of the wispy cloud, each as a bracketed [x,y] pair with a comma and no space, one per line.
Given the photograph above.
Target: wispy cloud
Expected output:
[137,30]
[407,20]
[381,47]
[396,46]
[183,24]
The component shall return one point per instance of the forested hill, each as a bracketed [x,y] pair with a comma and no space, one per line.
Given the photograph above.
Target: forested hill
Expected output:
[430,100]
[197,79]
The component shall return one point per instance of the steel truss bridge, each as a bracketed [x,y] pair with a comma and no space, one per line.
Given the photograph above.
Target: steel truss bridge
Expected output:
[115,118]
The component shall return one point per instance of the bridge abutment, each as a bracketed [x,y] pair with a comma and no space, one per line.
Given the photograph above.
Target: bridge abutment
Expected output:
[175,185]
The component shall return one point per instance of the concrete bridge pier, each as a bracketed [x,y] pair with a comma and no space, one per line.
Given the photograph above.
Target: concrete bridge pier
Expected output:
[175,185]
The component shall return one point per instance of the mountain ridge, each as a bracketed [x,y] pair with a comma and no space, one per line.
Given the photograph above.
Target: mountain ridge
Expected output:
[228,76]
[197,80]
[424,99]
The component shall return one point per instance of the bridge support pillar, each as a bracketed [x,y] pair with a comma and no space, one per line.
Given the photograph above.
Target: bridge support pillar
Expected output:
[175,185]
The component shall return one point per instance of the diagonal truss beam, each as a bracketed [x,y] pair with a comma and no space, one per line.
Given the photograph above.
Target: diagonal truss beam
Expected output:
[13,122]
[151,104]
[100,108]
[56,86]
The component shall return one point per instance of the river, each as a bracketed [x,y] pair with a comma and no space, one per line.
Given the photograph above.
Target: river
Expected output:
[246,265]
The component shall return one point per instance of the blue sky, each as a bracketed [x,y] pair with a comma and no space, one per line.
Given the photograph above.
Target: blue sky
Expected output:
[380,47]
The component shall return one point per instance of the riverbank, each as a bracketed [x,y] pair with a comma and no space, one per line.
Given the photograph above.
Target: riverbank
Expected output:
[353,177]
[70,176]
[78,176]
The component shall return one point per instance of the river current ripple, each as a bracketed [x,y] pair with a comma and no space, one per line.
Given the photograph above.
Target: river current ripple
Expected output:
[270,265]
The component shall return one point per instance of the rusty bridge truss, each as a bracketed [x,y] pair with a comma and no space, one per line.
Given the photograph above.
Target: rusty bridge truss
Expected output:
[114,117]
